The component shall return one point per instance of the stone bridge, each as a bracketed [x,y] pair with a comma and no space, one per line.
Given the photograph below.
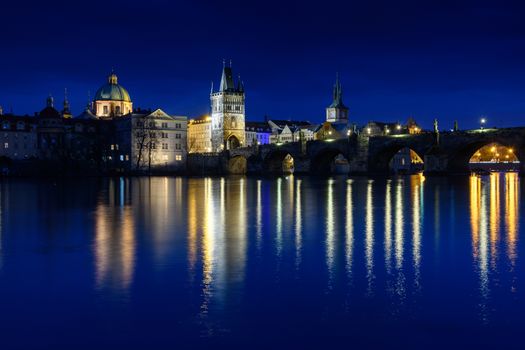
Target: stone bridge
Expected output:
[443,153]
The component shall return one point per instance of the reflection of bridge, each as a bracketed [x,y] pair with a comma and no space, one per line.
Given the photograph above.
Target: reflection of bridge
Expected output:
[448,152]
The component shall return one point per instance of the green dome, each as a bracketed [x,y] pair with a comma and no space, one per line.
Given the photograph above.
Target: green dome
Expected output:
[112,91]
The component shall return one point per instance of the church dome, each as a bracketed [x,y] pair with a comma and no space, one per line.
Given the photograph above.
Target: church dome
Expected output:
[112,91]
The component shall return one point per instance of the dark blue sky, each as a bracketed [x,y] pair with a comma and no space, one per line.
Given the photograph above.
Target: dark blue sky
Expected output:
[444,59]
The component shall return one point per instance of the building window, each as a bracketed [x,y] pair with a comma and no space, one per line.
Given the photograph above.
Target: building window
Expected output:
[121,158]
[177,146]
[6,145]
[165,157]
[178,157]
[164,125]
[5,125]
[112,147]
[117,110]
[105,109]
[177,136]
[164,146]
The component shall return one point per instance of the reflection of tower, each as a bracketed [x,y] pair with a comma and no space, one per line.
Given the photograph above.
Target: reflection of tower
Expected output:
[227,113]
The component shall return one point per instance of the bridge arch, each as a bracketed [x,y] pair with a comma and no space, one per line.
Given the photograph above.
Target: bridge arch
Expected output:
[233,142]
[459,159]
[329,161]
[381,161]
[278,162]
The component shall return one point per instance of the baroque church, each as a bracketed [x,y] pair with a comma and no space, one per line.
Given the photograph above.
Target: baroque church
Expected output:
[227,113]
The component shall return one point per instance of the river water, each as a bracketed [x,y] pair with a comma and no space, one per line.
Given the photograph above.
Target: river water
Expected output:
[241,262]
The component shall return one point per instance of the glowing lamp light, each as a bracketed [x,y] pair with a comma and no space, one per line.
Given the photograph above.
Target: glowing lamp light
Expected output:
[398,127]
[387,131]
[368,130]
[511,150]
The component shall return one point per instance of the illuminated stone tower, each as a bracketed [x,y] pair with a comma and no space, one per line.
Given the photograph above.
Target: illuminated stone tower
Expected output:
[337,111]
[227,113]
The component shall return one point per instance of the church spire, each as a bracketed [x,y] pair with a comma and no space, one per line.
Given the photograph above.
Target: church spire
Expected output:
[66,103]
[337,94]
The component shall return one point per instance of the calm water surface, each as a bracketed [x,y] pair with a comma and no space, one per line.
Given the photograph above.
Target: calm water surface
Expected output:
[296,262]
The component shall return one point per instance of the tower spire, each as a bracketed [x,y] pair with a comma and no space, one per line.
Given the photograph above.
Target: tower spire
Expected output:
[66,102]
[226,79]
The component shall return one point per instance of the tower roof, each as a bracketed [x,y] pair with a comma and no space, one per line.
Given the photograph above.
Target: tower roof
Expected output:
[227,79]
[337,95]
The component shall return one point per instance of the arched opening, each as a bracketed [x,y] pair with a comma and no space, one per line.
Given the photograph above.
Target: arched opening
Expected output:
[279,163]
[237,165]
[406,161]
[494,157]
[233,142]
[330,161]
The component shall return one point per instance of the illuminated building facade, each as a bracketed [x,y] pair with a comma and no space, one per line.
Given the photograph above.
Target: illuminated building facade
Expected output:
[257,133]
[227,113]
[148,141]
[199,135]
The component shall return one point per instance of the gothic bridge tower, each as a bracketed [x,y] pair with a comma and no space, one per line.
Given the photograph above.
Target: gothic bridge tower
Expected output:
[227,113]
[337,112]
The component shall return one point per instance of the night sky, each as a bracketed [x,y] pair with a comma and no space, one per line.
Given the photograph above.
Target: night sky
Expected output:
[396,59]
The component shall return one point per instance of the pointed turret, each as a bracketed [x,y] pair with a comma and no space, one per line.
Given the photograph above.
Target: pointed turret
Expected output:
[240,85]
[66,112]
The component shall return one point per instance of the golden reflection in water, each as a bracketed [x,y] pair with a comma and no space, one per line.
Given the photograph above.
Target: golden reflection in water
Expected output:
[388,227]
[512,216]
[330,231]
[399,246]
[416,187]
[349,246]
[298,225]
[494,217]
[480,241]
[192,224]
[208,244]
[114,246]
[369,237]
[475,190]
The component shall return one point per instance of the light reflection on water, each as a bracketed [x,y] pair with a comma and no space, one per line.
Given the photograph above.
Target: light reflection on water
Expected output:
[206,252]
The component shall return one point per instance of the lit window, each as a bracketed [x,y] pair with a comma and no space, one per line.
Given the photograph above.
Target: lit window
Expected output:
[178,157]
[121,158]
[6,145]
[165,157]
[105,109]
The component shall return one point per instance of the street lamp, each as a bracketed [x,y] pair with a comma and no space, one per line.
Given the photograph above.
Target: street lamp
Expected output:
[482,122]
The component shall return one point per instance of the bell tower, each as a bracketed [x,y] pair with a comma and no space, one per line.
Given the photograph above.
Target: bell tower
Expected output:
[227,113]
[337,112]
